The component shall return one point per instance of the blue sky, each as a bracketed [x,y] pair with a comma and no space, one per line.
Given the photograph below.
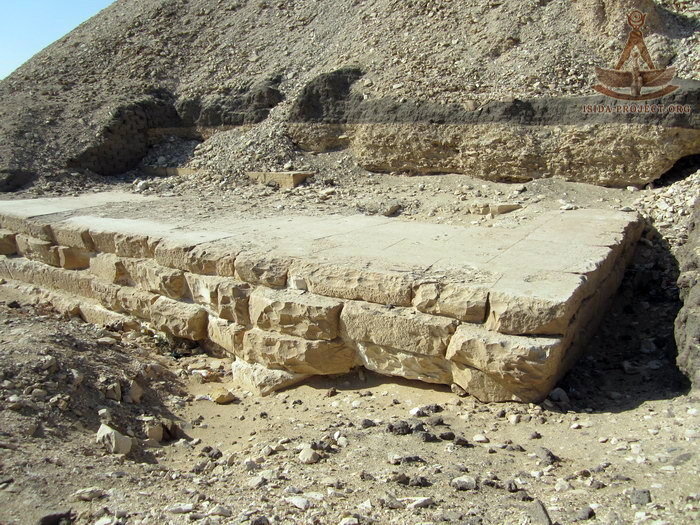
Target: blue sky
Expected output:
[28,26]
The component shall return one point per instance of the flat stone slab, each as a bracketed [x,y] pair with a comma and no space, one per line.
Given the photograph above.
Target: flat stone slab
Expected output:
[380,292]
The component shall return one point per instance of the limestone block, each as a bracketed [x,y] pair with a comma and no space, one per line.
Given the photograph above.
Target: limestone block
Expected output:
[153,277]
[204,258]
[458,300]
[400,328]
[73,258]
[481,385]
[531,304]
[101,316]
[109,268]
[136,302]
[295,312]
[123,244]
[258,268]
[297,355]
[227,335]
[389,361]
[203,288]
[188,321]
[18,224]
[524,366]
[346,282]
[77,283]
[8,246]
[37,250]
[232,301]
[72,235]
[261,380]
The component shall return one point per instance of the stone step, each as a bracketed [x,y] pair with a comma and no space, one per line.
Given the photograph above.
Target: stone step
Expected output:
[502,312]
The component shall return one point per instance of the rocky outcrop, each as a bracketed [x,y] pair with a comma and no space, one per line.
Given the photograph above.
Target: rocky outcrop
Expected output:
[503,313]
[687,327]
[583,139]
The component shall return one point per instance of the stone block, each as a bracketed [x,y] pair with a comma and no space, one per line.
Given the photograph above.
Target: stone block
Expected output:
[203,289]
[297,355]
[232,301]
[347,282]
[27,226]
[227,335]
[101,316]
[260,380]
[136,302]
[37,249]
[207,258]
[529,304]
[525,366]
[74,236]
[187,321]
[389,361]
[295,312]
[8,246]
[153,277]
[123,244]
[109,268]
[400,328]
[283,179]
[258,268]
[481,385]
[457,300]
[73,258]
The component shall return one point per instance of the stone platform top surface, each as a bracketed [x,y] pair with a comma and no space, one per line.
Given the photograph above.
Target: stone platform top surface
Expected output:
[552,257]
[555,243]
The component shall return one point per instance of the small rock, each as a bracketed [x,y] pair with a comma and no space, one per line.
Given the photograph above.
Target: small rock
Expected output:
[308,456]
[559,395]
[420,503]
[464,483]
[299,502]
[400,428]
[89,494]
[584,514]
[480,438]
[640,497]
[114,441]
[180,508]
[223,396]
[538,514]
[546,456]
[219,510]
[367,423]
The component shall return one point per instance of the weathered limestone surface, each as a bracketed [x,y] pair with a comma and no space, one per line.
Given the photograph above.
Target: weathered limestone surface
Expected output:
[503,313]
[295,312]
[509,140]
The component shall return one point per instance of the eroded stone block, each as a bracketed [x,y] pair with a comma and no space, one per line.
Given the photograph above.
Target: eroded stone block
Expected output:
[227,335]
[457,300]
[73,258]
[188,321]
[232,301]
[399,328]
[295,312]
[8,246]
[261,380]
[258,268]
[109,268]
[345,282]
[298,355]
[155,278]
[393,362]
[525,366]
[37,249]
